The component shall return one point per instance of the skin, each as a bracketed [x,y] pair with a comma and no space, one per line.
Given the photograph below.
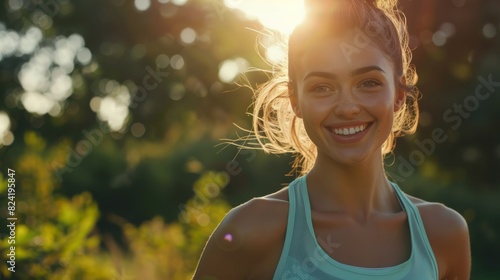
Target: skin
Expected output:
[359,213]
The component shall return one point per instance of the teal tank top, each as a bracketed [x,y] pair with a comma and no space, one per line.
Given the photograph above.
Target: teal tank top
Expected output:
[302,258]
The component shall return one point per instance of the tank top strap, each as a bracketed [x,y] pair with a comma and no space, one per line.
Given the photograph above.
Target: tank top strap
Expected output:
[292,206]
[420,241]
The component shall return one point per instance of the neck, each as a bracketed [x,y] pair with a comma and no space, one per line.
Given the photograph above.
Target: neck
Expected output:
[358,190]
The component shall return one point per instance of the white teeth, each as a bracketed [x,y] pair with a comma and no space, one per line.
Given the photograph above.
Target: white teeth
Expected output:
[350,130]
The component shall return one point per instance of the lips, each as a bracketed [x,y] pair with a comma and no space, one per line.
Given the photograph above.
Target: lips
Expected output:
[347,133]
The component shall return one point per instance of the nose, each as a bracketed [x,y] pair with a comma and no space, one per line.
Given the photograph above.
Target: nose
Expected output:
[346,106]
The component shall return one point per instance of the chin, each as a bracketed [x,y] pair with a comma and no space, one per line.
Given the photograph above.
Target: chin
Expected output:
[352,161]
[348,158]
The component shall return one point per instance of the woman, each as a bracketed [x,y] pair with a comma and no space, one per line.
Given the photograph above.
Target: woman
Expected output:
[347,92]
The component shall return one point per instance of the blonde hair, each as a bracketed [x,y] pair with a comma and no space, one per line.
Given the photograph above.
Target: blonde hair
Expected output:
[275,126]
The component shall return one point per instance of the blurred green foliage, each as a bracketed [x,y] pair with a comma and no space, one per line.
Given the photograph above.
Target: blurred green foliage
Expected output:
[57,238]
[53,233]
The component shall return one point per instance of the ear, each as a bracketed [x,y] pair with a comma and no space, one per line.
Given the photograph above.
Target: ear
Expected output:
[399,99]
[295,103]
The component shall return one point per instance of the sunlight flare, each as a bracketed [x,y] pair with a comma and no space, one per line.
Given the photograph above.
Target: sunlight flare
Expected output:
[279,15]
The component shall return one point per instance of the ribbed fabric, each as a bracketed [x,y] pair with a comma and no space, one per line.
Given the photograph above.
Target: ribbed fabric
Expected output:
[303,258]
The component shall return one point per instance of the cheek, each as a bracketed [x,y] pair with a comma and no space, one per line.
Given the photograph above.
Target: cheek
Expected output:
[380,102]
[383,110]
[381,107]
[316,109]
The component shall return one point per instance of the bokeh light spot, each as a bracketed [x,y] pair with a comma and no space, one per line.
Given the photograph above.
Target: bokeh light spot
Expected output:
[275,54]
[8,138]
[75,41]
[114,108]
[35,102]
[15,5]
[138,130]
[489,30]
[42,20]
[439,38]
[231,68]
[194,166]
[177,62]
[142,5]
[177,92]
[84,56]
[179,2]
[188,36]
[203,220]
[62,85]
[228,71]
[95,104]
[162,60]
[4,128]
[138,51]
[9,41]
[212,190]
[56,110]
[30,40]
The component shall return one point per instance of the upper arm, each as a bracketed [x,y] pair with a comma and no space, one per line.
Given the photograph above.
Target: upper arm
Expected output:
[224,256]
[243,240]
[448,234]
[458,248]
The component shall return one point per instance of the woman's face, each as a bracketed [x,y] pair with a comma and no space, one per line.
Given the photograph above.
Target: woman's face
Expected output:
[346,97]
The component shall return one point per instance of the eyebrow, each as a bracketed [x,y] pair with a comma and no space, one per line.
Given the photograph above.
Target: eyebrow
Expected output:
[355,72]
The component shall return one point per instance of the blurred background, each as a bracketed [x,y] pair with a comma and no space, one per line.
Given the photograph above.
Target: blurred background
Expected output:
[112,115]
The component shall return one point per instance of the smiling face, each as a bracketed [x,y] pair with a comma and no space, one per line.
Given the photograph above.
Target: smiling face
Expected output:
[347,103]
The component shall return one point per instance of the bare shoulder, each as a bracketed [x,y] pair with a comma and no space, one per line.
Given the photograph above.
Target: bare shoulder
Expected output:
[448,235]
[257,221]
[243,241]
[259,217]
[438,218]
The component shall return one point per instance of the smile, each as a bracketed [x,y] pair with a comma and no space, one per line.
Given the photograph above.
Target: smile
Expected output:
[349,130]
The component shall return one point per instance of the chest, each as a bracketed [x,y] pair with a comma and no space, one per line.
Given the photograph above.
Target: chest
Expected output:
[383,242]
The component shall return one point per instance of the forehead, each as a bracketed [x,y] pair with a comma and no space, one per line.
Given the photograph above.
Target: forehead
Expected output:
[342,55]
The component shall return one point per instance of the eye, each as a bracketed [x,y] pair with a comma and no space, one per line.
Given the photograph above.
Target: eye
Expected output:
[370,84]
[322,89]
